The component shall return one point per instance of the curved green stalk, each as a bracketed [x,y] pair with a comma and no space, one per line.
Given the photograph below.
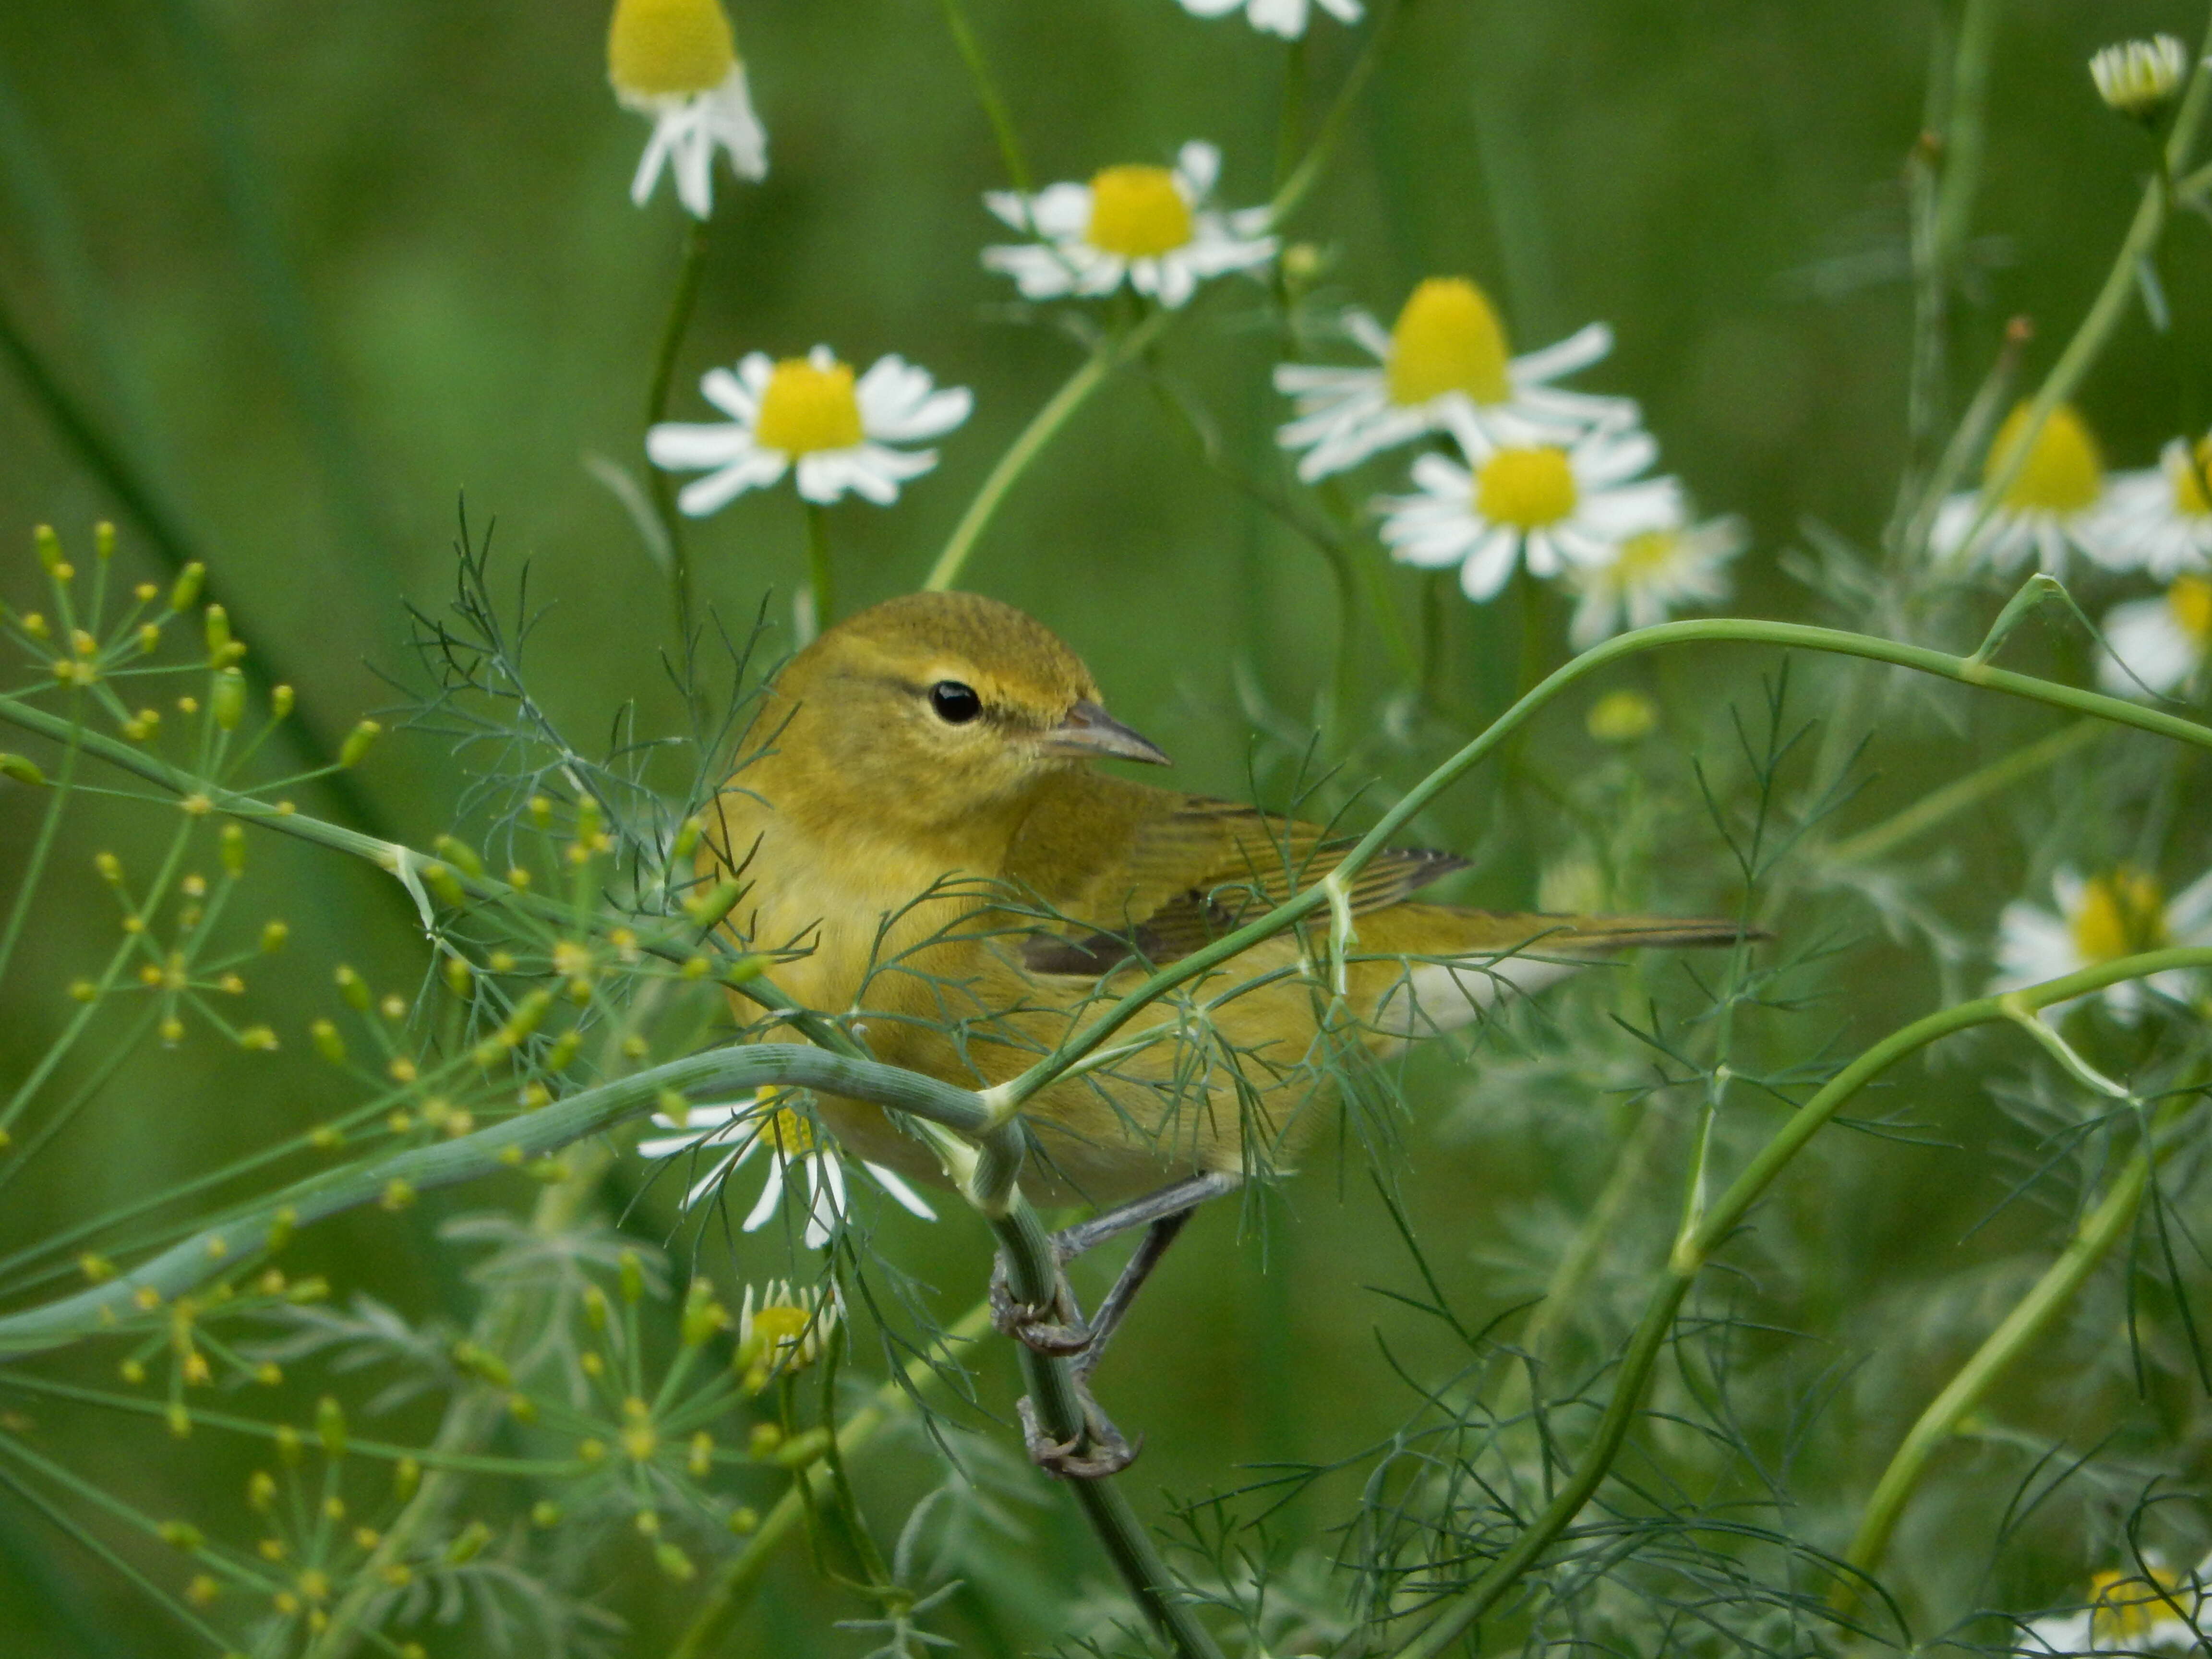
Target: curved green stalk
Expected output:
[471,1156]
[986,93]
[1043,427]
[1695,1248]
[740,1576]
[2092,1240]
[2113,299]
[1956,796]
[680,303]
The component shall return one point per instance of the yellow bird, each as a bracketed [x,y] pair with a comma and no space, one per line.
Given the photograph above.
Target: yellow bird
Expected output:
[927,830]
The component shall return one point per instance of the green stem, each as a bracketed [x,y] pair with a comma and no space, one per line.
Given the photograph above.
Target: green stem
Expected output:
[1955,798]
[821,579]
[49,823]
[1007,1097]
[2092,1240]
[1295,189]
[471,1156]
[986,93]
[681,304]
[1695,1248]
[733,1586]
[1043,425]
[2113,299]
[470,1419]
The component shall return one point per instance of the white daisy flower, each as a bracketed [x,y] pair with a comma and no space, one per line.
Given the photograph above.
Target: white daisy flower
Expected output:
[2136,77]
[795,1148]
[809,412]
[1523,496]
[1652,574]
[2160,520]
[787,1332]
[1285,17]
[1148,225]
[1447,349]
[676,61]
[2163,641]
[2056,502]
[2115,914]
[2126,1613]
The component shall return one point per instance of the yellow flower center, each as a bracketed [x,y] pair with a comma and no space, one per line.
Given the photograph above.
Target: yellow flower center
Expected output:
[2190,600]
[1642,554]
[807,409]
[788,1133]
[2189,481]
[668,48]
[2064,472]
[1448,338]
[2124,1607]
[1526,488]
[2121,913]
[1137,212]
[779,1327]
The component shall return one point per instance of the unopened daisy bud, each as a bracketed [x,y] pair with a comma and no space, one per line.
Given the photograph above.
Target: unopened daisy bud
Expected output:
[260,1491]
[20,769]
[406,1476]
[398,1195]
[700,1459]
[706,909]
[673,1562]
[522,1408]
[393,1007]
[218,633]
[468,1544]
[273,935]
[331,1426]
[50,548]
[460,978]
[203,1590]
[187,587]
[233,840]
[687,837]
[357,741]
[1622,717]
[2138,78]
[312,1289]
[744,1520]
[764,1439]
[110,868]
[149,638]
[545,1514]
[281,1226]
[745,970]
[563,1051]
[703,1315]
[631,1272]
[328,1043]
[290,1446]
[226,697]
[95,1268]
[541,811]
[132,1372]
[459,852]
[257,1039]
[179,1420]
[595,1307]
[180,1535]
[353,987]
[801,1449]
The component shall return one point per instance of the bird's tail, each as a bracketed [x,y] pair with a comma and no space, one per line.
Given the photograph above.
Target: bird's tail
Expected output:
[1458,964]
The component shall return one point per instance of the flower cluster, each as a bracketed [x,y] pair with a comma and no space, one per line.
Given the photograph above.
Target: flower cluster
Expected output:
[1533,474]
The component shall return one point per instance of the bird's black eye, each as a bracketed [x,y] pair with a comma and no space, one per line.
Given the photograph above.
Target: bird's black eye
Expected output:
[956,704]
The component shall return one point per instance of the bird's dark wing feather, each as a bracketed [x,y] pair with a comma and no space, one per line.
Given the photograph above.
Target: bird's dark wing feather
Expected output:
[1207,867]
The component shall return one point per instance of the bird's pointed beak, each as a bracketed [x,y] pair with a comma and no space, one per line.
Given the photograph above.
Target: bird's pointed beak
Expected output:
[1089,731]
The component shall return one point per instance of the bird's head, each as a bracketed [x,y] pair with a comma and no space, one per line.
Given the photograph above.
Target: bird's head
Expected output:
[930,709]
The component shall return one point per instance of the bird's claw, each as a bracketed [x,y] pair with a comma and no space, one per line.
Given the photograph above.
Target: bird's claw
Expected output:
[1054,1327]
[1099,1450]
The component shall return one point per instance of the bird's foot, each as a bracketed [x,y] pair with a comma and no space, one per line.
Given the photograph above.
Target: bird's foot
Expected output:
[1100,1449]
[1055,1327]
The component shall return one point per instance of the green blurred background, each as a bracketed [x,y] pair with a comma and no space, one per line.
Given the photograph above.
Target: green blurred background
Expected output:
[317,272]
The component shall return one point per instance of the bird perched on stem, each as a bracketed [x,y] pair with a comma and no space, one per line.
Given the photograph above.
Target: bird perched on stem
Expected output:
[926,842]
